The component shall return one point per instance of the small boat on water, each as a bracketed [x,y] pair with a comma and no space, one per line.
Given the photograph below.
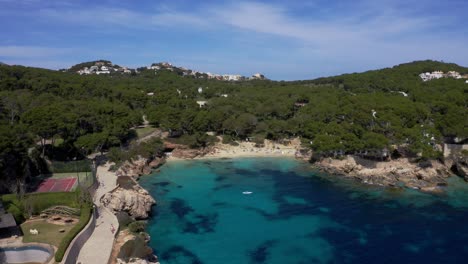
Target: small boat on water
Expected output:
[246,192]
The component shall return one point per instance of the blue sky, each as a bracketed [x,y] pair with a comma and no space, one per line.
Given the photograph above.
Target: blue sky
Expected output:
[285,40]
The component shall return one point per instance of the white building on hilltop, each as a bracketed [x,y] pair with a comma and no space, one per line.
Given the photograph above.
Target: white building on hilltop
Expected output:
[201,103]
[258,76]
[454,74]
[427,76]
[232,77]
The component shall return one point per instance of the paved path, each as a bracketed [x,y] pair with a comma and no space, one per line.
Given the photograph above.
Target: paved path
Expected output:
[98,248]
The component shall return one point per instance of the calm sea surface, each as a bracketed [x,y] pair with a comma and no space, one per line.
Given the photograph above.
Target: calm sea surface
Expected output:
[295,215]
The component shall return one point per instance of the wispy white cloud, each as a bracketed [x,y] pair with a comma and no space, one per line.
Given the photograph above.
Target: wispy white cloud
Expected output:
[383,23]
[364,33]
[31,51]
[104,17]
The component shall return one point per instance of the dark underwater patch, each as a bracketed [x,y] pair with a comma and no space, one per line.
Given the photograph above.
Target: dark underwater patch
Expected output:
[202,224]
[176,252]
[220,178]
[244,172]
[180,208]
[163,184]
[220,187]
[260,253]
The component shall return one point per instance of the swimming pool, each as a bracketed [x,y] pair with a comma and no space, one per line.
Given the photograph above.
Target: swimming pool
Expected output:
[25,254]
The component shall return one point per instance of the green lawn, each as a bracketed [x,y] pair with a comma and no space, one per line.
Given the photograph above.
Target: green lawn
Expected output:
[145,131]
[48,233]
[38,202]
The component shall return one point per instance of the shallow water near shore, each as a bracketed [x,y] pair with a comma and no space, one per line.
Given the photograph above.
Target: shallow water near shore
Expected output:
[295,215]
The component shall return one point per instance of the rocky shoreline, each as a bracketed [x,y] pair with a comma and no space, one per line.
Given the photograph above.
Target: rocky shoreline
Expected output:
[427,177]
[131,198]
[134,202]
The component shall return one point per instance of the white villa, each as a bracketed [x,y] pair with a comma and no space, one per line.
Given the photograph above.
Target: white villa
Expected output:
[232,77]
[427,76]
[201,103]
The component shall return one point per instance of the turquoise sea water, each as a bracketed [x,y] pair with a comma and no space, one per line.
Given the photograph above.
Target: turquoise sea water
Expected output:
[295,215]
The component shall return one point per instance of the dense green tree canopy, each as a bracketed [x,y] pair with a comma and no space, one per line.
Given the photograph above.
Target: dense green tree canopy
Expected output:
[350,113]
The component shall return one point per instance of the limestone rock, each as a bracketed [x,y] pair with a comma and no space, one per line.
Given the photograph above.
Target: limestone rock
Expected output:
[185,153]
[136,261]
[136,201]
[156,162]
[400,172]
[134,168]
[138,167]
[135,250]
[461,166]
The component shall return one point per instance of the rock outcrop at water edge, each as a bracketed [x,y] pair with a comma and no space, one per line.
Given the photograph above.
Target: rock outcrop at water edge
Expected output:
[135,201]
[461,167]
[401,172]
[134,249]
[138,167]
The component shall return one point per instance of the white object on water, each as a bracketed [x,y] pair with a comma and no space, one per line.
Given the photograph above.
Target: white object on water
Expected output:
[246,192]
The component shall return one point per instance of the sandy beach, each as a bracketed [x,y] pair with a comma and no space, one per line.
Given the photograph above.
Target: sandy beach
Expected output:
[248,149]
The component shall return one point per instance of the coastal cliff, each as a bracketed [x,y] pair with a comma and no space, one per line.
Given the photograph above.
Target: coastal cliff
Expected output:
[139,166]
[133,249]
[134,200]
[427,176]
[131,200]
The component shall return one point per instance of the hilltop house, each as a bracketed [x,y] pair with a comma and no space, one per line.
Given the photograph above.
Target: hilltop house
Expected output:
[232,77]
[258,76]
[201,103]
[427,76]
[454,74]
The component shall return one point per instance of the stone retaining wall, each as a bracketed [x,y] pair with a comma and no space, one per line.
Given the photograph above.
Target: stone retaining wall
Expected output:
[71,255]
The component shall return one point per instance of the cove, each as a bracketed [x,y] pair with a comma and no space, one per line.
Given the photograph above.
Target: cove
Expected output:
[296,215]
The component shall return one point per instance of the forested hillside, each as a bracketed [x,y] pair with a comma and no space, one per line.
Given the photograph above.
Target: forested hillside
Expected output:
[61,115]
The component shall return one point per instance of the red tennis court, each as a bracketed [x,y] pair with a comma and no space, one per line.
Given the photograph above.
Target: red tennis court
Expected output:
[56,185]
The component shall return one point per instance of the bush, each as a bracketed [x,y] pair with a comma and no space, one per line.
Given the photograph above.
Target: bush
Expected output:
[124,219]
[70,166]
[149,149]
[227,139]
[86,212]
[137,227]
[37,202]
[16,209]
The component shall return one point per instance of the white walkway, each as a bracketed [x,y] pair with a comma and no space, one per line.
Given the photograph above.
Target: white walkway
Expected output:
[98,248]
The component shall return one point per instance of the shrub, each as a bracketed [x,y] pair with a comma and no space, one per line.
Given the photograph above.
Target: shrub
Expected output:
[137,227]
[86,212]
[149,149]
[124,219]
[227,139]
[70,166]
[37,202]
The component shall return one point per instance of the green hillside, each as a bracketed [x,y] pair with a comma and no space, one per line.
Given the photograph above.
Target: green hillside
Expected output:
[350,113]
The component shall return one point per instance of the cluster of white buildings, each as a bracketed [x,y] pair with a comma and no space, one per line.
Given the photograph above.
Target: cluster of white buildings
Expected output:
[427,76]
[102,69]
[197,74]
